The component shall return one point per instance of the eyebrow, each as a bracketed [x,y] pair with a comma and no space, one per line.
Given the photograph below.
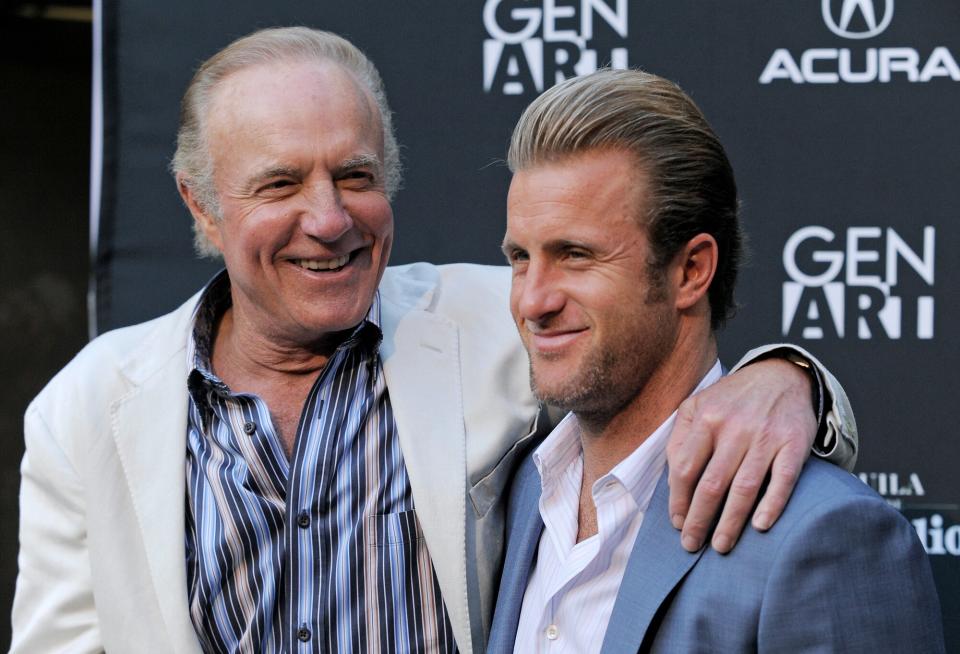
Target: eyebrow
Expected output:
[275,171]
[359,161]
[345,166]
[554,245]
[560,244]
[508,245]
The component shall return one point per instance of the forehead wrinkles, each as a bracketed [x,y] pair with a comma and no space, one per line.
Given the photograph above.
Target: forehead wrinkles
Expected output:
[619,188]
[238,98]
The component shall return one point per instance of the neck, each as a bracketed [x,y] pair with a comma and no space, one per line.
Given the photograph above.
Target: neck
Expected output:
[243,352]
[608,440]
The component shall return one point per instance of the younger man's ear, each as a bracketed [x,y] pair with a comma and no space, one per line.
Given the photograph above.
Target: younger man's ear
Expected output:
[697,265]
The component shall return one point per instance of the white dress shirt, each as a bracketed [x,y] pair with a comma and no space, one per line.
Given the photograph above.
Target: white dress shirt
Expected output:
[573,586]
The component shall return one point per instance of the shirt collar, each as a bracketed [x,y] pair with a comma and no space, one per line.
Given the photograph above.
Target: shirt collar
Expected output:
[562,448]
[214,300]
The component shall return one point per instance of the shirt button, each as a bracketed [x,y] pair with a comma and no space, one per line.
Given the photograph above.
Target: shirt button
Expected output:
[249,428]
[303,519]
[552,632]
[303,634]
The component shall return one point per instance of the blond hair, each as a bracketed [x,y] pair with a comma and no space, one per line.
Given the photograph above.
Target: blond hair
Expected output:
[691,181]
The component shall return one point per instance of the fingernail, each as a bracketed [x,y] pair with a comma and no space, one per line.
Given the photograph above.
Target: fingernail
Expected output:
[762,521]
[677,520]
[690,543]
[722,543]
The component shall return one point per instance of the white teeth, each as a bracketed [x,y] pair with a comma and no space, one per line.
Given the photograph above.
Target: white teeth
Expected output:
[323,264]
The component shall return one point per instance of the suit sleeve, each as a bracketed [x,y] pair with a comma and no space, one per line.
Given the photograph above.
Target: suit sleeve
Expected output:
[838,440]
[53,609]
[851,578]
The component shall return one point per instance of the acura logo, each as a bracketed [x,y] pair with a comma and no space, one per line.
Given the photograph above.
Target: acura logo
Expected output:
[869,23]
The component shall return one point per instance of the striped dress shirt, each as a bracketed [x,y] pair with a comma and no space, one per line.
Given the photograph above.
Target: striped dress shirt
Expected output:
[573,586]
[321,552]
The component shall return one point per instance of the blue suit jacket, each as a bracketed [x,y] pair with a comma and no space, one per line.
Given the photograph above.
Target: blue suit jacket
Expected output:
[841,571]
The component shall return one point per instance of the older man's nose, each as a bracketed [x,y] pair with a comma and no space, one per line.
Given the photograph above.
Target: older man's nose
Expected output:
[323,215]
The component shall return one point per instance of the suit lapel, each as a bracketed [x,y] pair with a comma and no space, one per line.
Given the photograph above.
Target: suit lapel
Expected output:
[421,362]
[149,430]
[523,538]
[656,565]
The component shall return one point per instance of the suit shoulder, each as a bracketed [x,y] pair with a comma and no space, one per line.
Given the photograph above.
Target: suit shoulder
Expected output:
[480,294]
[457,278]
[476,277]
[824,484]
[829,504]
[451,277]
[115,355]
[469,294]
[841,552]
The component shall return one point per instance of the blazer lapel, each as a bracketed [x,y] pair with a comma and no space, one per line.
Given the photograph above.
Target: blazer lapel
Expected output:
[149,431]
[421,362]
[656,565]
[523,538]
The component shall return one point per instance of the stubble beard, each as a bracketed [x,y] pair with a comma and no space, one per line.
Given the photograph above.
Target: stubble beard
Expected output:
[583,390]
[610,376]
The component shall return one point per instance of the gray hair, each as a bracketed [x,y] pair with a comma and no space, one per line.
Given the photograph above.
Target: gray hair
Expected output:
[276,45]
[692,183]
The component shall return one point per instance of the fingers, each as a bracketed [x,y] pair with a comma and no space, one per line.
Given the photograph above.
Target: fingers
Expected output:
[740,501]
[725,442]
[742,495]
[688,450]
[708,497]
[786,470]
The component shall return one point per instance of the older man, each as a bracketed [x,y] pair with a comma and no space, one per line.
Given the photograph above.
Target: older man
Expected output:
[242,474]
[623,236]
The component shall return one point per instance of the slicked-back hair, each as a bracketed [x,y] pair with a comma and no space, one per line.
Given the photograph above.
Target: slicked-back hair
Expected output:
[692,188]
[277,46]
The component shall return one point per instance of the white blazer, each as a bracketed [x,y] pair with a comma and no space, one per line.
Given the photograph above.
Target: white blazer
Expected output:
[102,500]
[103,493]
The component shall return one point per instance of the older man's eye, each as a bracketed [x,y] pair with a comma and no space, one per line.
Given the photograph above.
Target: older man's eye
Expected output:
[356,178]
[276,184]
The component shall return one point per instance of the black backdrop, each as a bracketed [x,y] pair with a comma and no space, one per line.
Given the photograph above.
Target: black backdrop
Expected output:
[839,117]
[44,164]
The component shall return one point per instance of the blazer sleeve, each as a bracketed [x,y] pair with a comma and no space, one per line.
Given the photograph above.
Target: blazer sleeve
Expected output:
[852,577]
[838,441]
[53,608]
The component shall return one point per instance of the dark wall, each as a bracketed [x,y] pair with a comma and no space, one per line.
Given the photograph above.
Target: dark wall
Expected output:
[44,190]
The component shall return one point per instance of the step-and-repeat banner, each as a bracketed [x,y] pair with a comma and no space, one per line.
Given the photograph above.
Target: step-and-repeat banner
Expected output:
[840,117]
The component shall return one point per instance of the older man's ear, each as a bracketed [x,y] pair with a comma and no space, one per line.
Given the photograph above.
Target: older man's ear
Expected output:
[206,222]
[694,268]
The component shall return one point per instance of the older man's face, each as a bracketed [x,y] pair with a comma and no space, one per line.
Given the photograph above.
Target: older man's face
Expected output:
[595,328]
[306,228]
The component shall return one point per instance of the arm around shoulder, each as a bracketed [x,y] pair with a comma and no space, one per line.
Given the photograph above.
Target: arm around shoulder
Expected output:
[837,440]
[53,608]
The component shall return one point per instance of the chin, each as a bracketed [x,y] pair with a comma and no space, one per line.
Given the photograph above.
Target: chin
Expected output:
[549,390]
[336,316]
